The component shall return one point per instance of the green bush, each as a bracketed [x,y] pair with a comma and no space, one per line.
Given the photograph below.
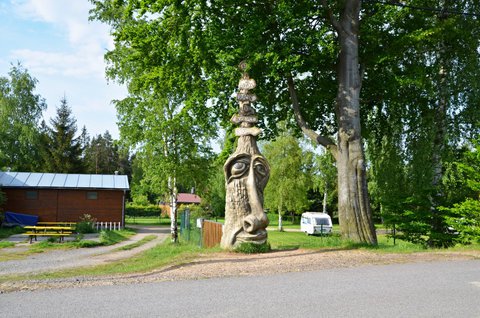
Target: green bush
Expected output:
[86,224]
[466,221]
[134,210]
[252,248]
[8,231]
[87,243]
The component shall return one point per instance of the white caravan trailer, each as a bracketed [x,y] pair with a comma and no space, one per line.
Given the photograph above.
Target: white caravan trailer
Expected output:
[316,223]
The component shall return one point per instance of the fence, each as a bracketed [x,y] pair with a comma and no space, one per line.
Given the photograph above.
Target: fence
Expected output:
[109,226]
[211,233]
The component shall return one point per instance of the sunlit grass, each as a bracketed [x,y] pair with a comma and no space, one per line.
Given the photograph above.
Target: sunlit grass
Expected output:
[147,220]
[294,240]
[6,244]
[143,241]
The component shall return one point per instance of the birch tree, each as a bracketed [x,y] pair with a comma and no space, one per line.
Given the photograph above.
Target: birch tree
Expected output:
[288,184]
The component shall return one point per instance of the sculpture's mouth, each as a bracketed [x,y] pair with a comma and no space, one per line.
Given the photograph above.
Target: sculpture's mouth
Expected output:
[259,236]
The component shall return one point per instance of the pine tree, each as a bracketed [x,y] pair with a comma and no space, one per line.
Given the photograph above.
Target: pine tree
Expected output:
[101,155]
[61,150]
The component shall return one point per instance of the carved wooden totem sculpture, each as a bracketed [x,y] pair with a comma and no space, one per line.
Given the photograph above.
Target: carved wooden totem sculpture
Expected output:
[246,175]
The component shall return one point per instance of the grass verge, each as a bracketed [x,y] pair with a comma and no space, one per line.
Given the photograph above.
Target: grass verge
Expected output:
[6,244]
[143,241]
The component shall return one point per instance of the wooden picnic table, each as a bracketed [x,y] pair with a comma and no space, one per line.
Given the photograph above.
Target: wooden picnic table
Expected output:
[59,231]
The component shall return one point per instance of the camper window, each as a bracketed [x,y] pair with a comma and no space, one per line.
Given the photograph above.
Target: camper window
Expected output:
[320,221]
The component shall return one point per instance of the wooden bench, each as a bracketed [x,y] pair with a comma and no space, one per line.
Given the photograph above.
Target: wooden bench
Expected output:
[60,235]
[59,231]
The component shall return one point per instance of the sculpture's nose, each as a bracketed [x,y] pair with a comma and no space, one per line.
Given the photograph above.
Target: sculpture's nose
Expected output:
[257,219]
[251,223]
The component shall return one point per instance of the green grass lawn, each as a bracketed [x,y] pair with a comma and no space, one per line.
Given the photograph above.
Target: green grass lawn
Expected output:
[292,240]
[146,220]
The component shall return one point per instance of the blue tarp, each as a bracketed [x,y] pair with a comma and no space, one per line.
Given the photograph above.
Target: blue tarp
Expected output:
[13,218]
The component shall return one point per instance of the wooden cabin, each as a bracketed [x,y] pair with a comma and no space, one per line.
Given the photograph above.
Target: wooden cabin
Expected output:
[60,197]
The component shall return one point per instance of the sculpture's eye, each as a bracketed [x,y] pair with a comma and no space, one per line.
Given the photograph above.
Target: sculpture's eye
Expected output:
[238,168]
[260,169]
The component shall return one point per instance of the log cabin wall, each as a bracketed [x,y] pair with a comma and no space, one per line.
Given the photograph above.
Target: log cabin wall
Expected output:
[58,205]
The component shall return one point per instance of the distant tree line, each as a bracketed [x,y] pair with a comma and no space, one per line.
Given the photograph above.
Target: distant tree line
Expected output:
[28,143]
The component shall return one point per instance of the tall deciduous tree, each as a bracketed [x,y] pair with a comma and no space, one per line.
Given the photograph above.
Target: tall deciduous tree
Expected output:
[61,149]
[291,48]
[20,112]
[420,85]
[288,184]
[168,143]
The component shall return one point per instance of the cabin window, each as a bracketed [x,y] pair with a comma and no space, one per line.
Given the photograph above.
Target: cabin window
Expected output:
[92,195]
[32,195]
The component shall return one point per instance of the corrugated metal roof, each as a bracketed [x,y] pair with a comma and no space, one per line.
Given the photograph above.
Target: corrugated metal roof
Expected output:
[63,180]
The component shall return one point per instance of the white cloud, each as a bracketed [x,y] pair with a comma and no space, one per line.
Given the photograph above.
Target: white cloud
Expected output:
[71,16]
[88,40]
[66,56]
[76,64]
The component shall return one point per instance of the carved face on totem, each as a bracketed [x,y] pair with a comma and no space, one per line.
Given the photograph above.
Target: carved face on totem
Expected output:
[246,175]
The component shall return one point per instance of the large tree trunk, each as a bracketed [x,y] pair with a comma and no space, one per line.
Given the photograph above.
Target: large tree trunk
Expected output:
[439,126]
[354,213]
[354,210]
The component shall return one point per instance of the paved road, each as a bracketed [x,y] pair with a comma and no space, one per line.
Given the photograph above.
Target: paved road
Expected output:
[438,289]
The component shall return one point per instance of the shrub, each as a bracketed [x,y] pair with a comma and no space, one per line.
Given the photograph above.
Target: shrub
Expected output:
[86,224]
[135,210]
[253,248]
[87,244]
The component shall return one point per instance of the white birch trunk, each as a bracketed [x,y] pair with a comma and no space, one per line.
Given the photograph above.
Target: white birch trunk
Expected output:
[173,209]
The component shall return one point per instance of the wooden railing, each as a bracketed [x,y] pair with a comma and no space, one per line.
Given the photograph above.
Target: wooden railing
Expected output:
[211,233]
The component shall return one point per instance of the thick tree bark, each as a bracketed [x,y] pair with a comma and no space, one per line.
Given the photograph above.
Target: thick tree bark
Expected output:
[440,122]
[354,211]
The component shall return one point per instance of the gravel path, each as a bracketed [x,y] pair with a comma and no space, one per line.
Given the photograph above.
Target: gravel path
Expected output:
[62,259]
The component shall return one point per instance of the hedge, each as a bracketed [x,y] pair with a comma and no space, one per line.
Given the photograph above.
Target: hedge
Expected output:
[142,210]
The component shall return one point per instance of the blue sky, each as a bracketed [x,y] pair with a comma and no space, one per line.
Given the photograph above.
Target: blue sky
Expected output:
[64,51]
